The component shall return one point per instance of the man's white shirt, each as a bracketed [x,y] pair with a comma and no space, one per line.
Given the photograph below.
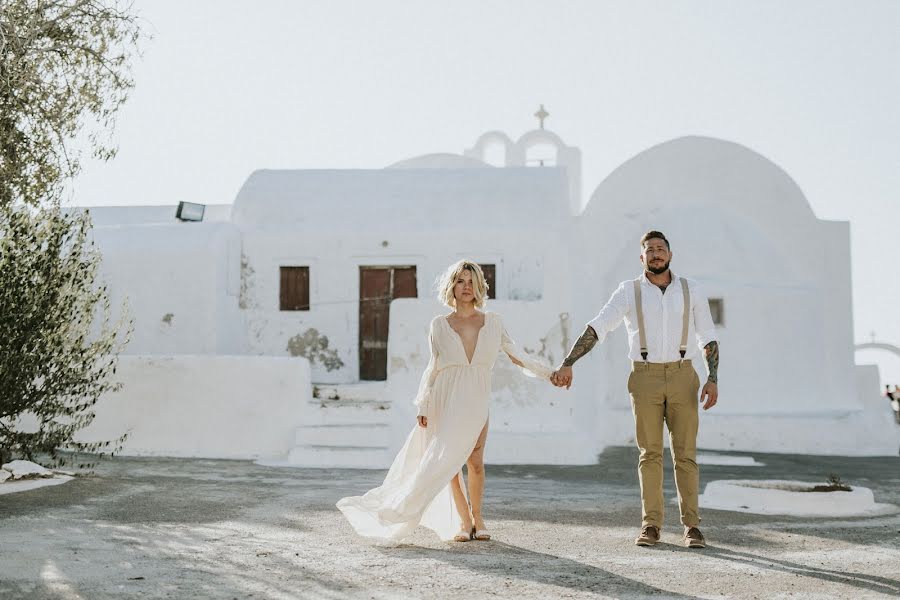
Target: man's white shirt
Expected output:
[663,313]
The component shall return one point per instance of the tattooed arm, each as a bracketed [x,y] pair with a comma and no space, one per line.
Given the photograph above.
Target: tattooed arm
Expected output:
[710,393]
[582,346]
[610,316]
[711,351]
[562,377]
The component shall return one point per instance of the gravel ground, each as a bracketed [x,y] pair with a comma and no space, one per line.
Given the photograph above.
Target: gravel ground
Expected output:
[171,528]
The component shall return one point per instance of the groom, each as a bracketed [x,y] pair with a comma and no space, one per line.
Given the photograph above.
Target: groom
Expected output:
[661,311]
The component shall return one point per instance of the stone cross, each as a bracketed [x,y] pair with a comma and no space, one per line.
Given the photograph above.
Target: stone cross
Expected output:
[542,114]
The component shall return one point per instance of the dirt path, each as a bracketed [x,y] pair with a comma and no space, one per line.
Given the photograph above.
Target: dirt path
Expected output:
[166,528]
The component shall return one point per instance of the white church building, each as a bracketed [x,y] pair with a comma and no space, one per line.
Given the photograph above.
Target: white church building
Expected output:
[291,325]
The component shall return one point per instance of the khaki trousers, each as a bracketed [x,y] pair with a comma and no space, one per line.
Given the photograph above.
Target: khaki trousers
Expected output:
[666,392]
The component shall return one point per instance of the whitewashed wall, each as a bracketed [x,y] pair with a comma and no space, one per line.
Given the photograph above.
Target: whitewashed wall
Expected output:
[205,406]
[336,221]
[739,225]
[737,222]
[863,429]
[181,282]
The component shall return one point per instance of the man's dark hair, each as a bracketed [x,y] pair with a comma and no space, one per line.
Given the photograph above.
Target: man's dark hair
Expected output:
[655,234]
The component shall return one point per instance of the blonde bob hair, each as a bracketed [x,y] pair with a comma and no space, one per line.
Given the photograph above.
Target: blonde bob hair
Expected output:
[447,281]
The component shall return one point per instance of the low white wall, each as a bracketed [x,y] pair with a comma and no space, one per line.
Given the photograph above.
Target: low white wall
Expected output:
[865,428]
[205,406]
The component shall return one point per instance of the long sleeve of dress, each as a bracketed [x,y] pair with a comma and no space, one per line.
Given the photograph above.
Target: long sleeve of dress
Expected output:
[423,396]
[531,367]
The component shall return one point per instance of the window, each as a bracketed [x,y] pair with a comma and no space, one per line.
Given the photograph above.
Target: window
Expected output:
[717,309]
[490,276]
[294,293]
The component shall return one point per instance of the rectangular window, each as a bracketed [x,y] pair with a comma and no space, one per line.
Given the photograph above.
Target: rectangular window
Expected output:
[717,309]
[490,276]
[294,293]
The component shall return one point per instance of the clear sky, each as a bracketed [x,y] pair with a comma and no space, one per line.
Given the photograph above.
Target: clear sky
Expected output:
[227,87]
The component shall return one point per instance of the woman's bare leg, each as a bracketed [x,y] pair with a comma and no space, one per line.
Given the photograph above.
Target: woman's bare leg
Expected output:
[462,505]
[475,466]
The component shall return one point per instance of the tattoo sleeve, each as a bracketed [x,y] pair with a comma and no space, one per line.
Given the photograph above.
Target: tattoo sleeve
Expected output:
[711,350]
[582,346]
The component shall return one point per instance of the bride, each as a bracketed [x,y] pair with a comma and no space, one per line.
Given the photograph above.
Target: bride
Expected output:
[425,483]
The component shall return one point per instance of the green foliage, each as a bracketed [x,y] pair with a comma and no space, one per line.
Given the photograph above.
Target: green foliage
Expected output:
[64,73]
[59,349]
[834,485]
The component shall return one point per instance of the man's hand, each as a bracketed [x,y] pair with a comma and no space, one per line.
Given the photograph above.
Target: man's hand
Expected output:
[423,421]
[562,377]
[711,394]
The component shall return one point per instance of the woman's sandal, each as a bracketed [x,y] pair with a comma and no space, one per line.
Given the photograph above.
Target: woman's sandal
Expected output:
[463,535]
[481,535]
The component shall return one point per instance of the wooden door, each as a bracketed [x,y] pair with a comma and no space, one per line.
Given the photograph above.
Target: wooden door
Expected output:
[377,287]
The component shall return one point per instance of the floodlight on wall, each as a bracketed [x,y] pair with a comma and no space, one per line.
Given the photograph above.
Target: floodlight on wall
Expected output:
[190,211]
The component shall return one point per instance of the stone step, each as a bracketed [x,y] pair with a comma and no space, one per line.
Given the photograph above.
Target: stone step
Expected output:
[344,412]
[344,434]
[343,457]
[363,391]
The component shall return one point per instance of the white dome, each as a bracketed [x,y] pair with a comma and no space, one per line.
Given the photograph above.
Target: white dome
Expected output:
[444,160]
[695,171]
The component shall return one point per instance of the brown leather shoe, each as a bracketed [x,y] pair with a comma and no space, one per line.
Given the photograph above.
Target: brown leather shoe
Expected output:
[649,536]
[693,538]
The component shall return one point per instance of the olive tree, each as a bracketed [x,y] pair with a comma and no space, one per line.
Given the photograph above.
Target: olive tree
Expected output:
[65,71]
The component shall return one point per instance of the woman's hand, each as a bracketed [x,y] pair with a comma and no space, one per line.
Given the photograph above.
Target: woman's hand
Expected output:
[423,421]
[562,377]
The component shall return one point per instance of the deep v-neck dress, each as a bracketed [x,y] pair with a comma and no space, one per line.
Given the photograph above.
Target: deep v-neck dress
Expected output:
[454,394]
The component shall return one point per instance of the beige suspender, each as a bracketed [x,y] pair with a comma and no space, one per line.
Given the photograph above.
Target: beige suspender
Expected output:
[642,333]
[685,319]
[685,322]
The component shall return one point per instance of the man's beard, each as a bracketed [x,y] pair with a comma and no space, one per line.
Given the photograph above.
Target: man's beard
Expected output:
[659,269]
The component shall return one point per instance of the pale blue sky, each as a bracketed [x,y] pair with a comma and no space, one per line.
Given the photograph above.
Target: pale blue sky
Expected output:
[228,87]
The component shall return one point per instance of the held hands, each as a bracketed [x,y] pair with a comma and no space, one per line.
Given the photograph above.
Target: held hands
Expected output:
[711,394]
[562,377]
[423,420]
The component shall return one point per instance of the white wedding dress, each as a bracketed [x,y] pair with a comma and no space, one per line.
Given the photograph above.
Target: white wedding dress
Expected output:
[454,395]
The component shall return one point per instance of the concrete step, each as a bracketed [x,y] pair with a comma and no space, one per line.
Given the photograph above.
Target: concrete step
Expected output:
[345,426]
[363,391]
[334,457]
[348,434]
[345,412]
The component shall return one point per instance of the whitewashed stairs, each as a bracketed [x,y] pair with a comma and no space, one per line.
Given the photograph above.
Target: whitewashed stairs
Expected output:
[348,427]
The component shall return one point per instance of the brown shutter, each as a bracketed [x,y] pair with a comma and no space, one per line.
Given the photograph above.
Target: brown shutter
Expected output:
[294,292]
[404,282]
[490,276]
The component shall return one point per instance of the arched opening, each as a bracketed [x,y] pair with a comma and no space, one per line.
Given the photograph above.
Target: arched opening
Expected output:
[542,154]
[886,356]
[495,153]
